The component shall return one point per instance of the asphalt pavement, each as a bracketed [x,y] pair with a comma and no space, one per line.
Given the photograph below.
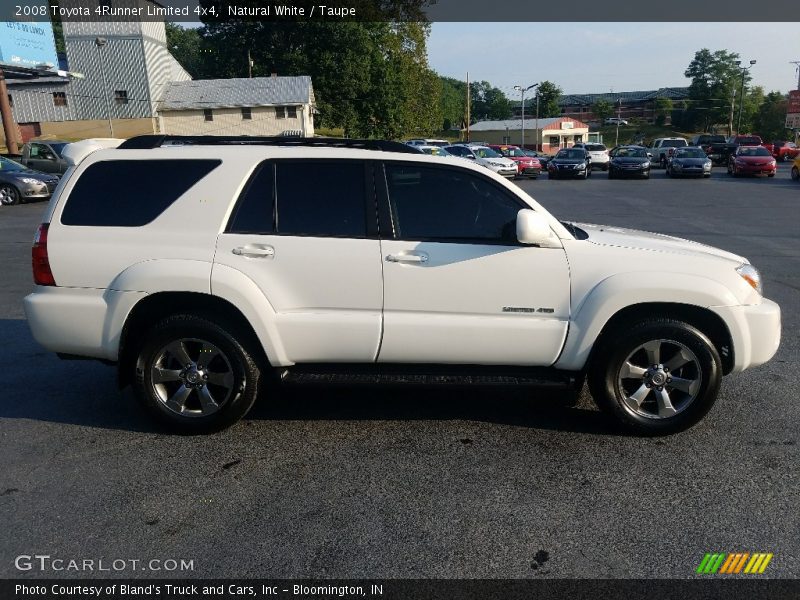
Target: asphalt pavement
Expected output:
[398,482]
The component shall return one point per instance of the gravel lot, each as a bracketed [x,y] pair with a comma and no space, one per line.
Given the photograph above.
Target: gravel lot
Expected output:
[407,483]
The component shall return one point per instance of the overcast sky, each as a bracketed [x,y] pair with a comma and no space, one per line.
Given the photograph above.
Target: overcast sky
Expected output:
[598,57]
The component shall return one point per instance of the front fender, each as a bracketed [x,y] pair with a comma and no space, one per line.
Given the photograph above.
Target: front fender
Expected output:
[627,289]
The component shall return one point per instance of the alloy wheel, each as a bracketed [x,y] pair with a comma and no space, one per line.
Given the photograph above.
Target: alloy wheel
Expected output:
[8,195]
[659,379]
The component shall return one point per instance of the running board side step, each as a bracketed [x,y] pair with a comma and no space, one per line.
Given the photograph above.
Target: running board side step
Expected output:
[428,375]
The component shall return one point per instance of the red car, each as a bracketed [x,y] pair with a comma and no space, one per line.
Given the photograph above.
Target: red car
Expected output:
[527,166]
[752,160]
[783,151]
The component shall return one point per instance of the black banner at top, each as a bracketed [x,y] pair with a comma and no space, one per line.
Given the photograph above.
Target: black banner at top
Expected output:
[195,11]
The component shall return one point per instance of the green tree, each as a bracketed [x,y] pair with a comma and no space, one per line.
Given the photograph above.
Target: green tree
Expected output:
[602,109]
[453,103]
[663,108]
[770,119]
[186,45]
[487,102]
[549,93]
[715,76]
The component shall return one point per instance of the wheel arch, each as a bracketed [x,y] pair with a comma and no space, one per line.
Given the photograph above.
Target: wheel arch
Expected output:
[155,307]
[705,320]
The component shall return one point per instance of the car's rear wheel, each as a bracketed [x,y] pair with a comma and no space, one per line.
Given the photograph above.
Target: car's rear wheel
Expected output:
[795,173]
[9,195]
[194,375]
[656,376]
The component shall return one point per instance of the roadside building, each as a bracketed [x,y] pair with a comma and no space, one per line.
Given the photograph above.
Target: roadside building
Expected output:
[547,134]
[123,68]
[262,106]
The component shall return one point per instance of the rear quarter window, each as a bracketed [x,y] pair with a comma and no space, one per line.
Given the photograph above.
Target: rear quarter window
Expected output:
[131,193]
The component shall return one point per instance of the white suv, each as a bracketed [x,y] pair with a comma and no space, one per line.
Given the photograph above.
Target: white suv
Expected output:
[200,265]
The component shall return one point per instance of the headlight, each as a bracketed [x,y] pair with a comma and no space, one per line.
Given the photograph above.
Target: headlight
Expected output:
[29,180]
[751,275]
[645,164]
[581,166]
[707,164]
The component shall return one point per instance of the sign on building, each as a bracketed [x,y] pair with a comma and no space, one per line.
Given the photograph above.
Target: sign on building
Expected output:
[27,44]
[793,111]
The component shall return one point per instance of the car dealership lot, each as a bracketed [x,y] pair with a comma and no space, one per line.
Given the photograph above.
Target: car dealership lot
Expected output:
[403,482]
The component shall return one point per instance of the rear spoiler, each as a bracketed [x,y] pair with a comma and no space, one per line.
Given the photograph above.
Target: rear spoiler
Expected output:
[75,152]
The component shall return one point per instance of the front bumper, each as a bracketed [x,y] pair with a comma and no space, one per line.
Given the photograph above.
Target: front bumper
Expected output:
[756,169]
[629,171]
[504,171]
[37,190]
[690,170]
[755,330]
[565,171]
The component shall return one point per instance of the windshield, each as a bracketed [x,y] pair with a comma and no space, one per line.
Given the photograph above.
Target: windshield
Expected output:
[485,153]
[435,150]
[515,152]
[754,151]
[9,165]
[632,152]
[574,154]
[690,153]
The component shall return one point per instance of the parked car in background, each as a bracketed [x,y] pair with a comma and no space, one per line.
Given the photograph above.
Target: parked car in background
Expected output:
[18,183]
[527,166]
[427,142]
[615,120]
[691,160]
[782,150]
[44,156]
[796,169]
[721,153]
[486,157]
[541,156]
[598,153]
[660,149]
[629,161]
[707,140]
[433,150]
[570,162]
[752,160]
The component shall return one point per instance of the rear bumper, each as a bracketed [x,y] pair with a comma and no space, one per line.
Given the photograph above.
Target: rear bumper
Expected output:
[78,321]
[755,330]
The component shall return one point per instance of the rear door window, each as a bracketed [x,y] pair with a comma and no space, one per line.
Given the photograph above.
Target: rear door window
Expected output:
[131,193]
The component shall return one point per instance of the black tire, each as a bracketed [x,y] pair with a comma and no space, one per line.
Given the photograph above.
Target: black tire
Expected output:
[618,349]
[795,173]
[611,174]
[669,172]
[605,167]
[233,363]
[9,195]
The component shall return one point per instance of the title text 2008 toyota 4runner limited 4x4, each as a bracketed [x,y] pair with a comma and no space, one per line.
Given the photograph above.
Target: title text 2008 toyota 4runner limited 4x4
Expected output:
[222,260]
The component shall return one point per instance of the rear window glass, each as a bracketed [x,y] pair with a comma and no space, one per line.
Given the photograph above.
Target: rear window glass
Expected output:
[131,193]
[595,147]
[673,143]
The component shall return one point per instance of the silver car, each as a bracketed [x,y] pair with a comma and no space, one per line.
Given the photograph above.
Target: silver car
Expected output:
[18,183]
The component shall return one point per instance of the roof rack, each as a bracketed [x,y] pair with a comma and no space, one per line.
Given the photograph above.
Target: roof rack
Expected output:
[148,142]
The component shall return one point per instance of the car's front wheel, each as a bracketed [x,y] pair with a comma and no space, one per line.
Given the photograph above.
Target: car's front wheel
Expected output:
[795,173]
[195,375]
[656,376]
[9,194]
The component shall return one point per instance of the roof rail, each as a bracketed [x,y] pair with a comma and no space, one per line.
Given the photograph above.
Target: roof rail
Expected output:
[147,142]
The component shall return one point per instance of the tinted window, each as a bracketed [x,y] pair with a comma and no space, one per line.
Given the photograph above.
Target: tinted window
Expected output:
[673,143]
[449,204]
[131,193]
[595,147]
[254,211]
[321,198]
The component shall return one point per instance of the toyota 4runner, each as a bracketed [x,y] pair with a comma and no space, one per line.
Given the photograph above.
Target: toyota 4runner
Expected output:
[201,265]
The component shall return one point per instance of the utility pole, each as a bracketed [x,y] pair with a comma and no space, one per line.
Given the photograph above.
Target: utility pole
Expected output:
[249,65]
[538,133]
[9,128]
[467,106]
[730,120]
[741,95]
[100,42]
[796,64]
[522,91]
[619,116]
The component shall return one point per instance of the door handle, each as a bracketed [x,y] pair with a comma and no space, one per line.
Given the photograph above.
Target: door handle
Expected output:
[254,251]
[409,258]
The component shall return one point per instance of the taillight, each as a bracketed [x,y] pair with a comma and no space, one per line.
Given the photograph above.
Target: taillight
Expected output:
[42,275]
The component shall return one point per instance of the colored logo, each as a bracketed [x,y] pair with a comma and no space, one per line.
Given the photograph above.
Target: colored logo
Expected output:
[734,563]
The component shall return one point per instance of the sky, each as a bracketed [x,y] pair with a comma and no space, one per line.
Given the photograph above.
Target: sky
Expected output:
[584,58]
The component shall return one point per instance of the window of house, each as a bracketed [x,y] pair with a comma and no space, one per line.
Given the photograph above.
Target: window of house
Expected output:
[59,99]
[292,112]
[208,114]
[321,198]
[121,96]
[280,112]
[433,203]
[247,113]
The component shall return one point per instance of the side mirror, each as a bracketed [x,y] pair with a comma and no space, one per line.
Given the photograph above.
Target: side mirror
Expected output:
[533,228]
[472,156]
[649,155]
